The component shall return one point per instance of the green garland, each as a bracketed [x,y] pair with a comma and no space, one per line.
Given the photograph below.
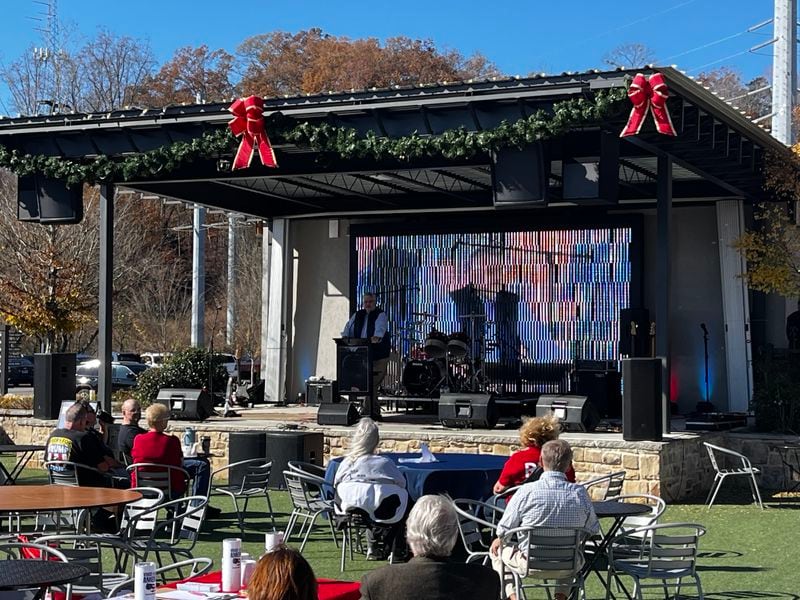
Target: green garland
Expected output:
[342,141]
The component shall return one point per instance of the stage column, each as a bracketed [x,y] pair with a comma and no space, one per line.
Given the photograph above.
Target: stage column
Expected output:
[663,278]
[105,316]
[273,307]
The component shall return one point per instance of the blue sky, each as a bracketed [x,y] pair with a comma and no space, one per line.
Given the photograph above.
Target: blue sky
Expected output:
[520,36]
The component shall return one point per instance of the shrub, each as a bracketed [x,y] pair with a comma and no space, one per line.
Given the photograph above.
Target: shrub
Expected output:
[776,392]
[15,401]
[187,368]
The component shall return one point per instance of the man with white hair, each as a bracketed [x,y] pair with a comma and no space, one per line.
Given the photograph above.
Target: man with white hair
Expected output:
[552,502]
[431,531]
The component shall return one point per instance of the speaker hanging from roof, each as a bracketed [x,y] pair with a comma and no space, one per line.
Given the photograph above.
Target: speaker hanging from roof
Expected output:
[519,176]
[42,199]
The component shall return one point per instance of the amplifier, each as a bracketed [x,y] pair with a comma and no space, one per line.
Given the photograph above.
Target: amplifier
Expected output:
[321,391]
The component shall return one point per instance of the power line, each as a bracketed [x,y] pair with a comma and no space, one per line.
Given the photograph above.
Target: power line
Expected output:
[708,45]
[714,62]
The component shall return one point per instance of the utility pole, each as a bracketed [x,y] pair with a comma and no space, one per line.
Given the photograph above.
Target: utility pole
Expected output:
[198,276]
[230,320]
[784,69]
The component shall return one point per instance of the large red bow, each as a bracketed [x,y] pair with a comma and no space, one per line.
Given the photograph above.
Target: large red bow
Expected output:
[248,121]
[648,95]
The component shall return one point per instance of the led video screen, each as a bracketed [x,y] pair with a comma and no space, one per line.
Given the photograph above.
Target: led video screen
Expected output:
[512,297]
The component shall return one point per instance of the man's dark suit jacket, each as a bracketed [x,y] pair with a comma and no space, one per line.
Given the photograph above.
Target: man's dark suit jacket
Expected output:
[431,579]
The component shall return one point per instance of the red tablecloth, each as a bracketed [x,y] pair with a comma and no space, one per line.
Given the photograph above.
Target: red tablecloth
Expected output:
[329,589]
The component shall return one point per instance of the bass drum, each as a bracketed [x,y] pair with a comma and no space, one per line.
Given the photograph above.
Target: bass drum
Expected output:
[421,377]
[436,344]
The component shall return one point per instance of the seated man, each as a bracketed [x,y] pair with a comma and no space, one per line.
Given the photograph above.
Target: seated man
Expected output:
[73,443]
[131,413]
[552,501]
[431,531]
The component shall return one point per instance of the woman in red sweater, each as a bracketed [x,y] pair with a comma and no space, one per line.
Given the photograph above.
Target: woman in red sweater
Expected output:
[157,447]
[533,434]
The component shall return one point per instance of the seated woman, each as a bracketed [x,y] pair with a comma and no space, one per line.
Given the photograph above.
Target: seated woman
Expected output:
[374,484]
[282,574]
[533,434]
[157,447]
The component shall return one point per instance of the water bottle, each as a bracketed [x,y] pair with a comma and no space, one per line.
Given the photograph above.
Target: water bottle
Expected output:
[188,437]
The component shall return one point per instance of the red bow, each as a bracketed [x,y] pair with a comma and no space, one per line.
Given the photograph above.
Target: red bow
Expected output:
[248,121]
[648,95]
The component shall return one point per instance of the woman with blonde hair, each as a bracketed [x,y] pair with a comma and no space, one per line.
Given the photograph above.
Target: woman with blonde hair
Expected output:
[533,434]
[372,483]
[283,574]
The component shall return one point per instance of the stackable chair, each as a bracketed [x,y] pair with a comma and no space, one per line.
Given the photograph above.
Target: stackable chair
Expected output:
[252,485]
[720,458]
[477,526]
[156,475]
[309,501]
[605,487]
[665,553]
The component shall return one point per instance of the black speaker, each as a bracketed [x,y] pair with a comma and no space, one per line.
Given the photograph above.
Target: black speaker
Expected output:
[602,388]
[634,344]
[468,410]
[321,392]
[519,176]
[283,446]
[186,404]
[575,412]
[641,399]
[53,382]
[340,413]
[244,445]
[353,371]
[45,200]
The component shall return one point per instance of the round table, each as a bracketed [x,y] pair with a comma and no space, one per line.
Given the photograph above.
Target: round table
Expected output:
[22,574]
[469,476]
[33,498]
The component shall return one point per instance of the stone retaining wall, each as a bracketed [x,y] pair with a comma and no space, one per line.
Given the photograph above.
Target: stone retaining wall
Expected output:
[676,469]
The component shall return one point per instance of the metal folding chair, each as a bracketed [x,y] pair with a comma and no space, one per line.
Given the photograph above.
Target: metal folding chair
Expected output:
[741,467]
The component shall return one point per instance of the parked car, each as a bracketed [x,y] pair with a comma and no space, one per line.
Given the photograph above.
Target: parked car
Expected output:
[122,377]
[20,371]
[155,359]
[126,357]
[136,367]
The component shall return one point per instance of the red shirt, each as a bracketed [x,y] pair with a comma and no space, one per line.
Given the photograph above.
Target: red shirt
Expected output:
[521,464]
[155,447]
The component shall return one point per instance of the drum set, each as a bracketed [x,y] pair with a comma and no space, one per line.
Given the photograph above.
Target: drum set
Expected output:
[437,362]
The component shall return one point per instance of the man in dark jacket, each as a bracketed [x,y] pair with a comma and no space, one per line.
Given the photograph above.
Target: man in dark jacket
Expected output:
[431,531]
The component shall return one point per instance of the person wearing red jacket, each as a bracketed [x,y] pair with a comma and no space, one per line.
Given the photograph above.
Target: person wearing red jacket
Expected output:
[155,446]
[533,434]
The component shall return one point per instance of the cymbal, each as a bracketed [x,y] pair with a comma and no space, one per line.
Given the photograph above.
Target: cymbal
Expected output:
[471,316]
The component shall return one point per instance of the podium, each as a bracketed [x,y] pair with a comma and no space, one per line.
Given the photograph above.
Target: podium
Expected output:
[354,372]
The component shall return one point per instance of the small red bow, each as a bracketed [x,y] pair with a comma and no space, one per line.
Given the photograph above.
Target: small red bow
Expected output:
[648,95]
[248,121]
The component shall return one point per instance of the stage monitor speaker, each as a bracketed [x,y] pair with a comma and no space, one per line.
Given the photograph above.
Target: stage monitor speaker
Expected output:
[45,200]
[53,383]
[186,404]
[576,413]
[602,388]
[244,445]
[519,176]
[353,369]
[468,410]
[630,344]
[285,446]
[641,399]
[340,413]
[321,391]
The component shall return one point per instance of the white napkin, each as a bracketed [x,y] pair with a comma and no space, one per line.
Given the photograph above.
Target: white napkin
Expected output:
[427,456]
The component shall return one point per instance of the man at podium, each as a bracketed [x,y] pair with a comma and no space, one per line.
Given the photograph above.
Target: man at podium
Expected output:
[371,323]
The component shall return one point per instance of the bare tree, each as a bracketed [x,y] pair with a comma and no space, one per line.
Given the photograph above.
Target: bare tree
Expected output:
[630,56]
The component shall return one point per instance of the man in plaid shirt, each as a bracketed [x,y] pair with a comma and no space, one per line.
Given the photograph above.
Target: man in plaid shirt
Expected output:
[552,501]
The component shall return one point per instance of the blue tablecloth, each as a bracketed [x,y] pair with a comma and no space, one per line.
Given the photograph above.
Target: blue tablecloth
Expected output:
[459,475]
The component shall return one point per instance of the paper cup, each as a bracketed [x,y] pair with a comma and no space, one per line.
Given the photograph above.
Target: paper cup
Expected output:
[248,568]
[231,565]
[144,581]
[273,540]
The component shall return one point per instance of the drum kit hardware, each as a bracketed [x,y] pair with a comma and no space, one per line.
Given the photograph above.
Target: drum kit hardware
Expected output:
[438,362]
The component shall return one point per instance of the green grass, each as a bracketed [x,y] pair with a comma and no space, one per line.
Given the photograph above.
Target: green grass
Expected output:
[747,553]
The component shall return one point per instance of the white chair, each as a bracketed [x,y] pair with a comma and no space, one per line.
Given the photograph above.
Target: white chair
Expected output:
[657,508]
[308,501]
[665,552]
[156,475]
[740,466]
[555,558]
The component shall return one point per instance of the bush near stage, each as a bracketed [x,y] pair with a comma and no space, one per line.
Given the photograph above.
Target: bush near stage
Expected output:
[776,392]
[187,368]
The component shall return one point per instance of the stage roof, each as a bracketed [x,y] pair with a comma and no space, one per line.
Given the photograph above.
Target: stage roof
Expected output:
[717,153]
